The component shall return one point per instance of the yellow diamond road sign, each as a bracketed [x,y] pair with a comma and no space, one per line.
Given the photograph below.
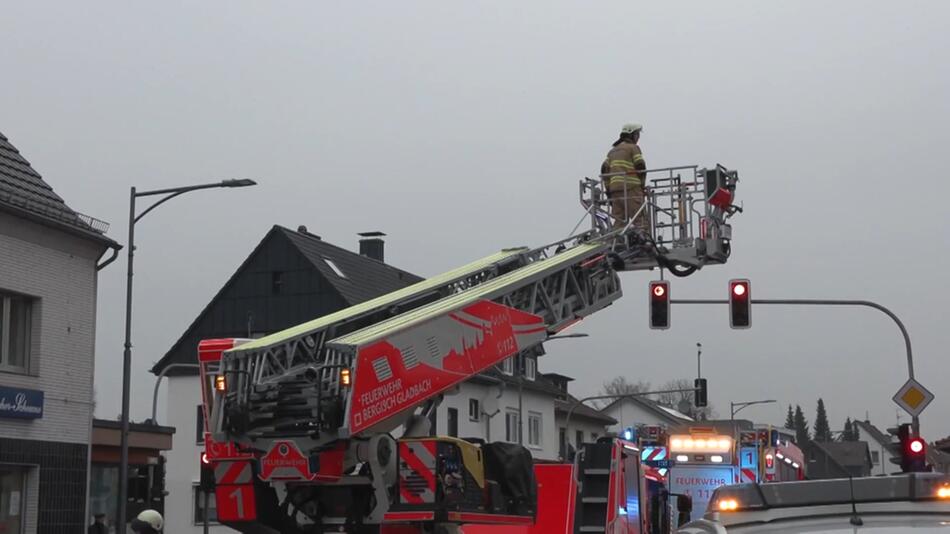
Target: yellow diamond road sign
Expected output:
[913,397]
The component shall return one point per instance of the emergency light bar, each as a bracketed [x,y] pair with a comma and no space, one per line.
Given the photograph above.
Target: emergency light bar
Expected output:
[711,443]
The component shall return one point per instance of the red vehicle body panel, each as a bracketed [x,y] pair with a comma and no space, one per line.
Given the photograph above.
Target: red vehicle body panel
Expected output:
[398,372]
[556,500]
[234,492]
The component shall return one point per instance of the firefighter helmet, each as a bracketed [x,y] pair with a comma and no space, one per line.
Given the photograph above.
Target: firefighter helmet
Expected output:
[148,521]
[630,128]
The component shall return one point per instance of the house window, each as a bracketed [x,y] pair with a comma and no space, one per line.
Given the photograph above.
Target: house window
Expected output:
[534,429]
[561,438]
[200,426]
[12,499]
[530,368]
[333,266]
[200,498]
[508,366]
[511,426]
[16,314]
[875,457]
[453,422]
[578,439]
[276,281]
[474,410]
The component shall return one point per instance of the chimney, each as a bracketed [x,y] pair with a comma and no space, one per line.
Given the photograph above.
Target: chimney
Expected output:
[303,230]
[372,245]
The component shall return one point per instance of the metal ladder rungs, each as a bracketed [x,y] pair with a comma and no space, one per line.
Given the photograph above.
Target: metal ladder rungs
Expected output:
[593,471]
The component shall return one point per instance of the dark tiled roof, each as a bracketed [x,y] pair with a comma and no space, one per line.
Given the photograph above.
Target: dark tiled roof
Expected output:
[846,453]
[23,191]
[363,278]
[366,278]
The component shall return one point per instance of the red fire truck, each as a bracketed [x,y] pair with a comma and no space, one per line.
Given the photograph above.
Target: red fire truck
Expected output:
[303,422]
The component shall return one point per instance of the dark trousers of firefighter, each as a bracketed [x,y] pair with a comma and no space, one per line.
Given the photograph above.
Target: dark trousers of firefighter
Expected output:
[624,204]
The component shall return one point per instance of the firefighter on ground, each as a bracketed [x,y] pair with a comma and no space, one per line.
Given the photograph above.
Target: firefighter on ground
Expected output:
[148,522]
[625,178]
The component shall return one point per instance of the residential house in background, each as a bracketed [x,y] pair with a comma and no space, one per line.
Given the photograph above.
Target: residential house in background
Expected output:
[879,446]
[884,448]
[49,267]
[837,459]
[633,411]
[516,403]
[586,424]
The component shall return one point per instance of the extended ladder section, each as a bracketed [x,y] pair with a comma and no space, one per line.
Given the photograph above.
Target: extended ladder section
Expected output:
[292,384]
[365,368]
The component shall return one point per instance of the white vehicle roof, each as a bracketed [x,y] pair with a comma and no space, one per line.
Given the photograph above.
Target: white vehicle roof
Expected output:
[916,503]
[891,524]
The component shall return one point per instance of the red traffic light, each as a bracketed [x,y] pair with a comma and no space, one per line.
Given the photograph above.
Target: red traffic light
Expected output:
[740,303]
[916,446]
[659,304]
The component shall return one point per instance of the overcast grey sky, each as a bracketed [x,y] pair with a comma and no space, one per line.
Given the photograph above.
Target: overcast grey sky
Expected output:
[461,128]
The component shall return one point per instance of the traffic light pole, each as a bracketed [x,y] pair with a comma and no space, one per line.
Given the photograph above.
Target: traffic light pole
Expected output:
[831,302]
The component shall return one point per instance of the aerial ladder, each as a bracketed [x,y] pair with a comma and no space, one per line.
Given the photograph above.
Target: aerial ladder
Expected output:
[310,411]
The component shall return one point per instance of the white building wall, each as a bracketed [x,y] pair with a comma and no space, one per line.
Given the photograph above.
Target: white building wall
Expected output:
[495,402]
[182,471]
[59,271]
[61,274]
[591,430]
[883,464]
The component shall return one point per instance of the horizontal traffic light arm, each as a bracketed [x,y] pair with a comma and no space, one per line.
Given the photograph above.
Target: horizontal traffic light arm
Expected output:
[829,302]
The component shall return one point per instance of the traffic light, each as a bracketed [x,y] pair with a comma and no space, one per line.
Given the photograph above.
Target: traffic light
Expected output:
[700,398]
[911,450]
[659,304]
[740,303]
[207,474]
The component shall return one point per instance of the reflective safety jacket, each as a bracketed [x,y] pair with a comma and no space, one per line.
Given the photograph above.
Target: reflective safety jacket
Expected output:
[625,157]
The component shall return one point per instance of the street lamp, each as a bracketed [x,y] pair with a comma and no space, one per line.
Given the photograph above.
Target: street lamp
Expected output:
[167,194]
[736,407]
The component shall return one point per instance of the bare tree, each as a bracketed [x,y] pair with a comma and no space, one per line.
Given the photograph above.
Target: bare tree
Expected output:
[621,386]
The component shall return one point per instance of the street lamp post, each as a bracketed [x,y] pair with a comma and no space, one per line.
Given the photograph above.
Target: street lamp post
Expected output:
[168,194]
[736,407]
